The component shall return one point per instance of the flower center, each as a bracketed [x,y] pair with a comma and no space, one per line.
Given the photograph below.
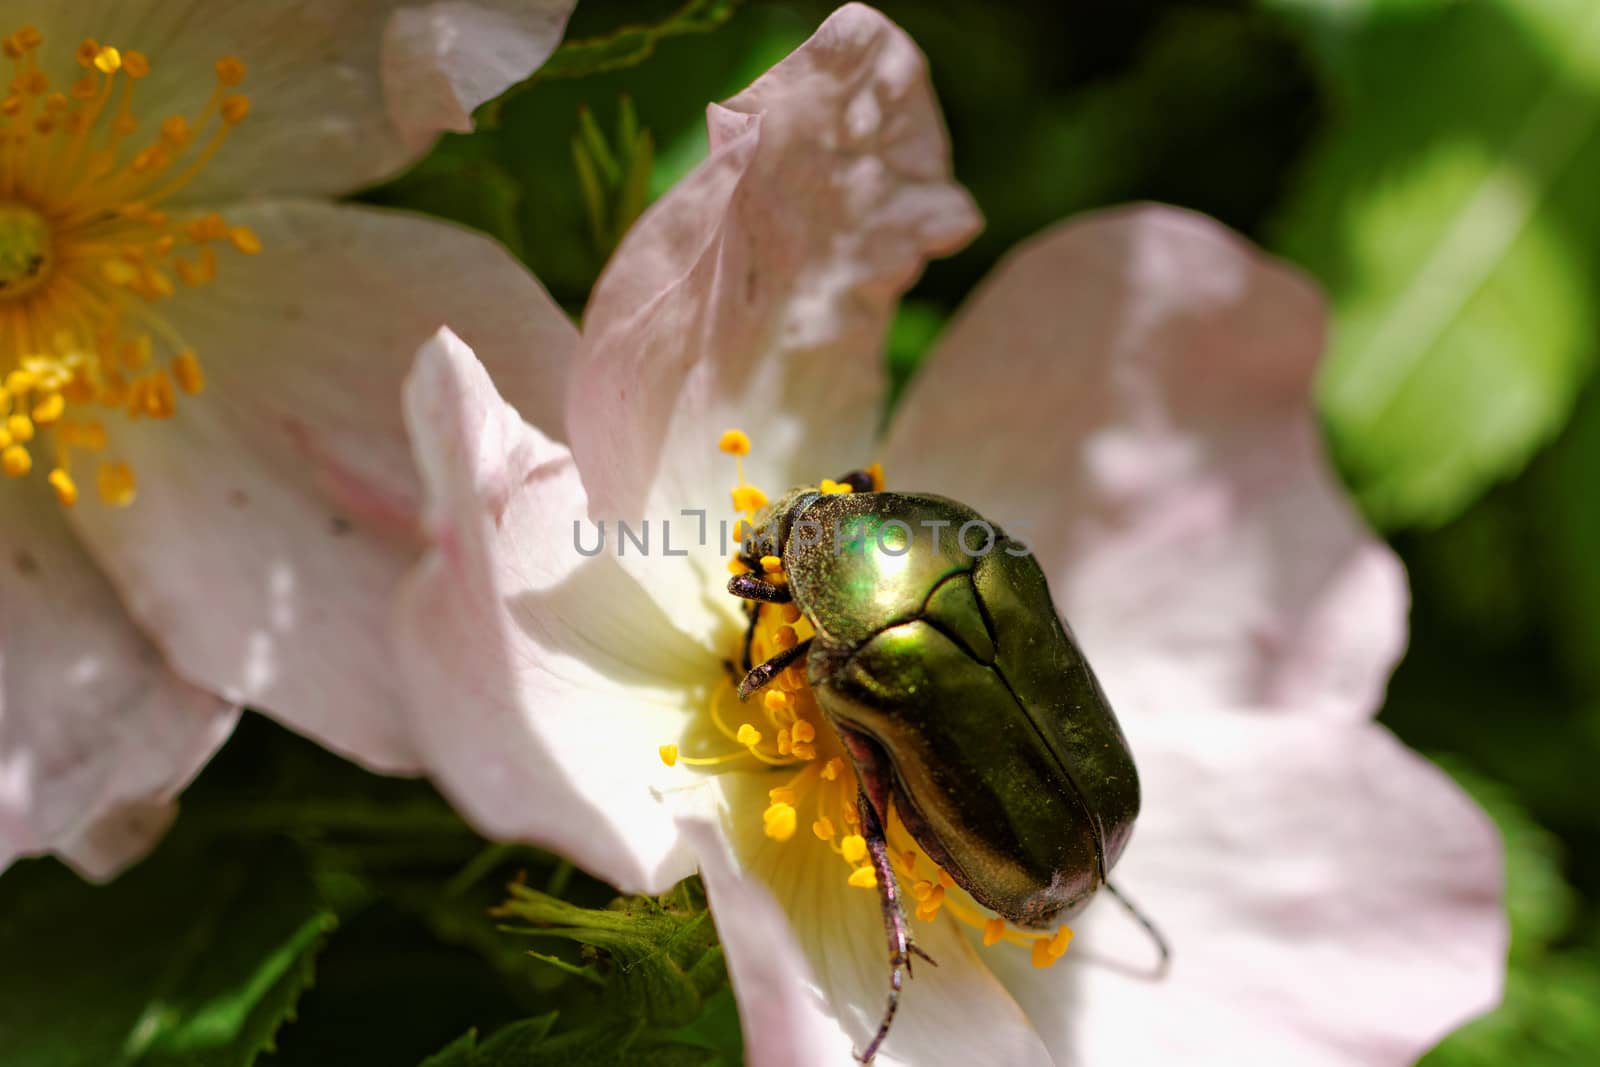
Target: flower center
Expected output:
[25,250]
[781,731]
[87,255]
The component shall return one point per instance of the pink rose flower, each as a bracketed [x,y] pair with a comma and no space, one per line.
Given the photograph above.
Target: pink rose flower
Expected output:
[166,229]
[1131,390]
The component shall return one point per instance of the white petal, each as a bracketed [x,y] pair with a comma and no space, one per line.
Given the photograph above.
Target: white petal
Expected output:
[97,735]
[341,93]
[953,1013]
[786,1022]
[539,683]
[1331,899]
[756,294]
[1130,393]
[277,510]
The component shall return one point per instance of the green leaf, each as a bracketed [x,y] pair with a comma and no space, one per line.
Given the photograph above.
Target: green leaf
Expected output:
[657,958]
[529,1044]
[193,958]
[1450,212]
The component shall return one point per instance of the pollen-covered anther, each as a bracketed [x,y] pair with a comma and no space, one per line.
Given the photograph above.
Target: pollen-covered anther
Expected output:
[779,821]
[831,487]
[748,498]
[734,442]
[748,736]
[668,754]
[864,878]
[853,848]
[1046,950]
[993,931]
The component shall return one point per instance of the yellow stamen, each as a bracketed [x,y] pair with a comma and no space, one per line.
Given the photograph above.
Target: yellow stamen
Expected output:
[734,443]
[749,499]
[114,482]
[864,878]
[87,255]
[853,848]
[669,754]
[994,930]
[780,821]
[66,489]
[16,461]
[748,735]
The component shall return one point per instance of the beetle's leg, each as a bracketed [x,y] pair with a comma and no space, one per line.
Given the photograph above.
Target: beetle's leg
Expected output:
[750,587]
[894,921]
[764,673]
[754,609]
[1149,927]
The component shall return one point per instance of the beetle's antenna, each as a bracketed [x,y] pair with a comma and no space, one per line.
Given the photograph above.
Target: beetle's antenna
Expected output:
[1149,928]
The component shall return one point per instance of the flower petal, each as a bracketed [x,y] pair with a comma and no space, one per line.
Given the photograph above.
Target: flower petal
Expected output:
[442,59]
[341,94]
[97,735]
[1131,394]
[1331,899]
[277,510]
[952,1013]
[786,1023]
[757,292]
[539,683]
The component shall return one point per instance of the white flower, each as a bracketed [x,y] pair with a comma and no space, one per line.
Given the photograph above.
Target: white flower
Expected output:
[208,352]
[1132,389]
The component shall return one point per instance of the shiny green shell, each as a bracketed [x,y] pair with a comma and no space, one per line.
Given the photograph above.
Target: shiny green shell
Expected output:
[961,696]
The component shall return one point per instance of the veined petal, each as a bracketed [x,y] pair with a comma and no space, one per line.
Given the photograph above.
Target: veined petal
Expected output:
[1130,393]
[341,94]
[952,1013]
[277,510]
[538,681]
[1331,898]
[756,294]
[97,735]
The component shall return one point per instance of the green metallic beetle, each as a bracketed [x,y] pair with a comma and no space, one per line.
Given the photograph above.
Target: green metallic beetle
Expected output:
[941,662]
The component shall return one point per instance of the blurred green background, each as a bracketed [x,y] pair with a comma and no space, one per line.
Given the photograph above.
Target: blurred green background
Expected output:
[1433,164]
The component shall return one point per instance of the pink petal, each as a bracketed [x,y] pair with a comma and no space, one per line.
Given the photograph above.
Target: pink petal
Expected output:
[442,59]
[1332,900]
[341,94]
[539,683]
[757,293]
[954,1013]
[278,509]
[1131,394]
[97,735]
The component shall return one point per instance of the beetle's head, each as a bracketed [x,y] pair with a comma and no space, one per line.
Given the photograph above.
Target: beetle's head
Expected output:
[767,533]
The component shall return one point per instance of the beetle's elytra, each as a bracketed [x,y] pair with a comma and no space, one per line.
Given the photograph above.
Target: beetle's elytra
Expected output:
[959,694]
